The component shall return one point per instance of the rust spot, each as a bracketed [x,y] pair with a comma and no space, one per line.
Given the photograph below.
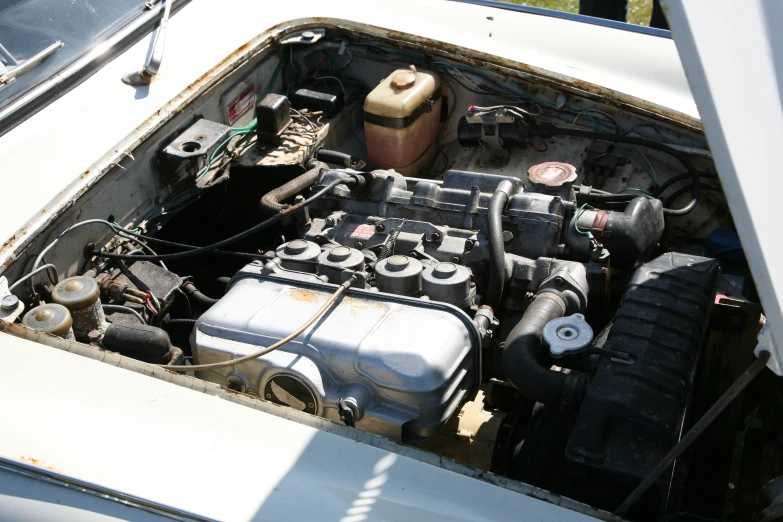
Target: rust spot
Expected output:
[300,294]
[35,462]
[79,214]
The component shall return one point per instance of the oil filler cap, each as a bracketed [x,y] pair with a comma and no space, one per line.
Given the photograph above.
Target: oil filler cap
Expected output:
[567,335]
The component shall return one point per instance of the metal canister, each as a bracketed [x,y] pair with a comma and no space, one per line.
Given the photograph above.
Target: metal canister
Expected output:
[399,275]
[299,254]
[81,296]
[447,282]
[50,318]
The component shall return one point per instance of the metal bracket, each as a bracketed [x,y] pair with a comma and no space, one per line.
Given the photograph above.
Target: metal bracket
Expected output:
[307,37]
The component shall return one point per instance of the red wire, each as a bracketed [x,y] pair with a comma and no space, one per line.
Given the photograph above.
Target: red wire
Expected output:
[152,308]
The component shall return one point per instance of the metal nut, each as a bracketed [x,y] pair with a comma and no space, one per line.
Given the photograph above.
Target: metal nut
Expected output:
[330,221]
[455,259]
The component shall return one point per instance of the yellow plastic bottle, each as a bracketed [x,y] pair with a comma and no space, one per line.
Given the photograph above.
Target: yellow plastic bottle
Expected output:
[402,120]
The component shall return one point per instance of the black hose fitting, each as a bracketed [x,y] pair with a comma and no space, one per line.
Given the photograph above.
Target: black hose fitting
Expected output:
[564,292]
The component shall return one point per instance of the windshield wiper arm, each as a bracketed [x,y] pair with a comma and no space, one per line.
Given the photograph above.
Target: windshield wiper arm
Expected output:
[150,70]
[30,62]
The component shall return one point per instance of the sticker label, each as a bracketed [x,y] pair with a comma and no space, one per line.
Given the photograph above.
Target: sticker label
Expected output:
[244,101]
[359,230]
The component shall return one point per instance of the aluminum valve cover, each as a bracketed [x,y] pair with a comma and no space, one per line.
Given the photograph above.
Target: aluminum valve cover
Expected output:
[403,365]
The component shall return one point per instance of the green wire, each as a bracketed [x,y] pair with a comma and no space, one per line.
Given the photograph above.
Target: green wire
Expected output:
[631,189]
[578,215]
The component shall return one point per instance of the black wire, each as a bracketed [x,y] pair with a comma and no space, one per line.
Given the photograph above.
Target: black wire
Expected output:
[214,248]
[550,129]
[683,190]
[674,179]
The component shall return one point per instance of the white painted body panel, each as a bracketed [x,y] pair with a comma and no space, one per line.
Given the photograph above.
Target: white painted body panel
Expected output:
[191,451]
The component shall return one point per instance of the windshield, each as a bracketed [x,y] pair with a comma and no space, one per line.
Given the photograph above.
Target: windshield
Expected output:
[28,27]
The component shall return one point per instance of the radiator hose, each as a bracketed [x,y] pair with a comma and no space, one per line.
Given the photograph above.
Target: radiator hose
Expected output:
[497,253]
[272,201]
[522,355]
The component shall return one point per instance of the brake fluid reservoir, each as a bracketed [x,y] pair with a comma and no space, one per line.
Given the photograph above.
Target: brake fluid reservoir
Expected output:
[402,120]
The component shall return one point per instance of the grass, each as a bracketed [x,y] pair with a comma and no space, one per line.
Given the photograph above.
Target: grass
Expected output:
[639,11]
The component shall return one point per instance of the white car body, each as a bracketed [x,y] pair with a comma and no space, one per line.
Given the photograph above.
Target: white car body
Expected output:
[235,462]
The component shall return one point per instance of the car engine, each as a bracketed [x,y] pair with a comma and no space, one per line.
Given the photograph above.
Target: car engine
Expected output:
[514,298]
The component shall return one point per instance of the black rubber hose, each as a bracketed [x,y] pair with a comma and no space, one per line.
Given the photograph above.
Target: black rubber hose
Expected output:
[272,201]
[522,353]
[497,252]
[334,157]
[214,247]
[548,129]
[202,299]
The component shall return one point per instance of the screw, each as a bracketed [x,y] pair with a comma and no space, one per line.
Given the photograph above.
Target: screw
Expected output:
[94,336]
[9,303]
[468,245]
[435,237]
[559,281]
[413,254]
[359,244]
[308,35]
[379,227]
[455,259]
[330,221]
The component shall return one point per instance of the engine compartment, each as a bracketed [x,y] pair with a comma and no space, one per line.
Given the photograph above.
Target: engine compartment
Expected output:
[470,259]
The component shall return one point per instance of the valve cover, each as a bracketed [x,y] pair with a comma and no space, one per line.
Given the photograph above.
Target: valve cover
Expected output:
[393,365]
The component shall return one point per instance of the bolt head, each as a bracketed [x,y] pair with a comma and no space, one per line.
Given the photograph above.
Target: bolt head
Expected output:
[379,227]
[308,35]
[330,221]
[559,281]
[94,336]
[455,259]
[359,245]
[435,236]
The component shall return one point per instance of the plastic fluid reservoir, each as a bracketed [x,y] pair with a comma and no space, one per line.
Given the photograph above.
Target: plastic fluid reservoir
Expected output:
[399,275]
[402,120]
[50,318]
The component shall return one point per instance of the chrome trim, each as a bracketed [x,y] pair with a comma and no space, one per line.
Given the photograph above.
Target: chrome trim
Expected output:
[31,62]
[57,479]
[613,24]
[72,75]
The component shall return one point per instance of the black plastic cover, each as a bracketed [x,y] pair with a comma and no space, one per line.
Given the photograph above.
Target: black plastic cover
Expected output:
[318,100]
[632,414]
[139,341]
[273,114]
